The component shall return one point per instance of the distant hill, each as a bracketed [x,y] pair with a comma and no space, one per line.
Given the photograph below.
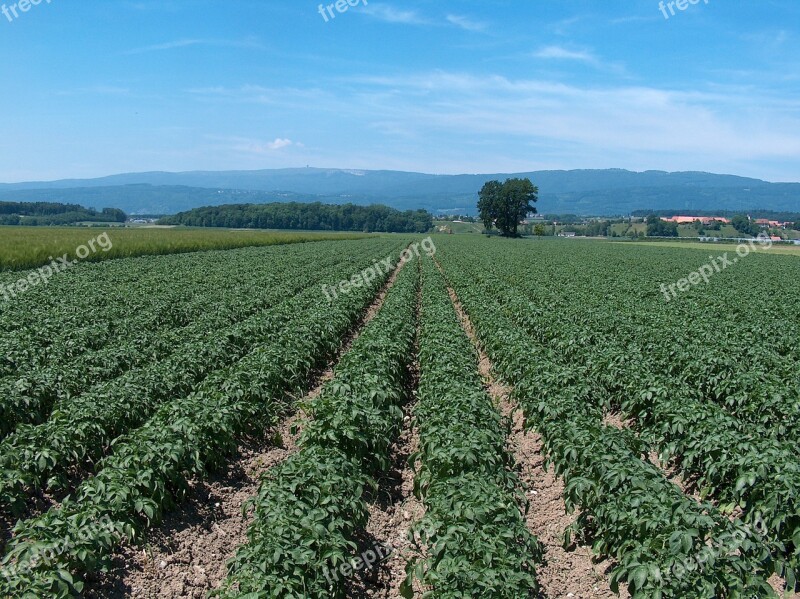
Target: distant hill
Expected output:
[599,192]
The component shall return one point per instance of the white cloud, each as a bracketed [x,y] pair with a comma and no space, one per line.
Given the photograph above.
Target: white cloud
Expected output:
[436,121]
[561,53]
[466,23]
[280,143]
[389,14]
[251,43]
[253,147]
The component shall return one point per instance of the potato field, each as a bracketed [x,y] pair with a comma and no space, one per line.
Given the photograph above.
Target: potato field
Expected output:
[463,417]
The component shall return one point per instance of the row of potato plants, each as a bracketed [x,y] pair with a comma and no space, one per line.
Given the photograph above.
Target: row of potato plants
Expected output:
[92,305]
[29,397]
[748,340]
[309,509]
[665,544]
[733,461]
[472,539]
[81,429]
[149,469]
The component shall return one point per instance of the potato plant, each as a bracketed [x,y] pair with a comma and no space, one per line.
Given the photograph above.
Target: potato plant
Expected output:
[737,461]
[158,325]
[81,429]
[147,472]
[310,508]
[628,509]
[473,538]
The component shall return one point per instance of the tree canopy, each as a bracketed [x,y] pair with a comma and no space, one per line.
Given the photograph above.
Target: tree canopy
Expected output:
[310,217]
[505,205]
[660,228]
[53,213]
[745,226]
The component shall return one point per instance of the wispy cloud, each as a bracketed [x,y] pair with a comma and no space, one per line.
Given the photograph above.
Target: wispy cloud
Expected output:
[466,23]
[390,14]
[622,124]
[245,145]
[280,143]
[580,56]
[251,43]
[561,53]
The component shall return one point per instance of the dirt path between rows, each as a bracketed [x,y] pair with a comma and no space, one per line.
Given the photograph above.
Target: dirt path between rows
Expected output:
[186,556]
[565,573]
[394,510]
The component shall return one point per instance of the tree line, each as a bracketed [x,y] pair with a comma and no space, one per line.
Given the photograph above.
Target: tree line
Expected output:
[309,217]
[51,213]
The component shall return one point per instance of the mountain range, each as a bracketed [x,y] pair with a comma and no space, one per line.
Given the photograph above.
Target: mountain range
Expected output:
[583,192]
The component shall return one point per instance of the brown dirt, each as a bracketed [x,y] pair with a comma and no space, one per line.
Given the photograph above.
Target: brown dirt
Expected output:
[394,510]
[778,583]
[186,556]
[616,420]
[390,520]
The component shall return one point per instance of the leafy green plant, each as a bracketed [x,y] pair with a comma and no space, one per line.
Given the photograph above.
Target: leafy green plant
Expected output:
[148,470]
[308,511]
[473,538]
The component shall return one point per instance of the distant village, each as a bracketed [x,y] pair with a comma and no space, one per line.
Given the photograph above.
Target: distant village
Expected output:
[701,227]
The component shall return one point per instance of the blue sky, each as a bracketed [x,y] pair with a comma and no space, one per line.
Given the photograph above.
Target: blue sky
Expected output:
[96,87]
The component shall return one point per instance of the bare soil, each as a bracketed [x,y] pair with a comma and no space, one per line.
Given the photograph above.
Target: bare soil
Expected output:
[393,511]
[391,516]
[186,555]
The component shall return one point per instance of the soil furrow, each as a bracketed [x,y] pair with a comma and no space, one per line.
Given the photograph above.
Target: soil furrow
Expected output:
[566,572]
[393,511]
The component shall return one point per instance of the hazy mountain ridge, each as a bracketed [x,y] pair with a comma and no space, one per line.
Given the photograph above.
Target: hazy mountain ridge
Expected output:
[610,191]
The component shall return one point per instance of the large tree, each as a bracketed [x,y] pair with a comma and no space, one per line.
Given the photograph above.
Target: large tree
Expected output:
[745,226]
[505,205]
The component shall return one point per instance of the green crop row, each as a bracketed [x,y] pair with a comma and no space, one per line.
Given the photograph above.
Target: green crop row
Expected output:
[147,472]
[473,539]
[91,306]
[28,247]
[736,462]
[665,544]
[727,342]
[309,508]
[81,429]
[29,397]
